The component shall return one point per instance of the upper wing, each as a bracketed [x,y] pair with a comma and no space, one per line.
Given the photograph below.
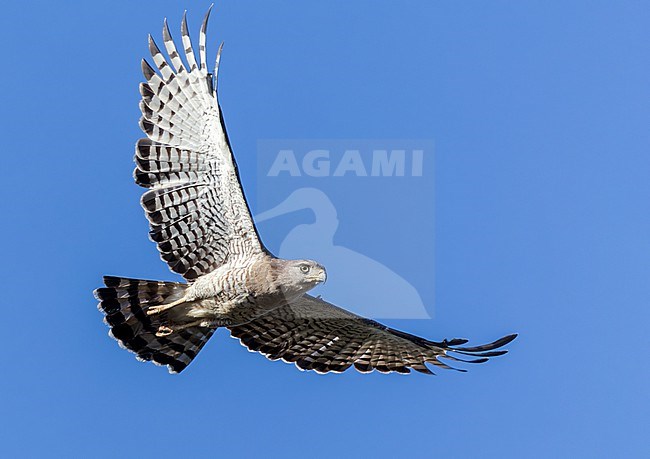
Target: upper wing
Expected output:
[317,335]
[196,207]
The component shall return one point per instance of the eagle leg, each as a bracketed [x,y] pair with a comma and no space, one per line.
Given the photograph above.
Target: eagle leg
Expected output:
[164,307]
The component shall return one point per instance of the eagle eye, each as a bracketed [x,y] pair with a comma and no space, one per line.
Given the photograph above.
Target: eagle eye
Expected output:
[304,268]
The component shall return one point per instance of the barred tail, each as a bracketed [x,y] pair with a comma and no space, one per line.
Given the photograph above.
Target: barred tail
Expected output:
[161,337]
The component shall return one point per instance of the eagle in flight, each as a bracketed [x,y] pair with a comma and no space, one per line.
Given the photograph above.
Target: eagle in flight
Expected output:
[203,227]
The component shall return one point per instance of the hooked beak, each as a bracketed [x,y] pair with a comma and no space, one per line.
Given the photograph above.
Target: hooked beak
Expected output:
[320,277]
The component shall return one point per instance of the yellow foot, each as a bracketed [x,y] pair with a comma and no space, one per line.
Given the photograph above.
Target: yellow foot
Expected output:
[164,331]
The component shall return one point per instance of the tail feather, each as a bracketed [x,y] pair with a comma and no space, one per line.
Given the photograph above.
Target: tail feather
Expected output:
[125,303]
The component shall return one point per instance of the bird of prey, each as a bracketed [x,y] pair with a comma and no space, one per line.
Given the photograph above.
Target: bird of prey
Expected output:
[204,231]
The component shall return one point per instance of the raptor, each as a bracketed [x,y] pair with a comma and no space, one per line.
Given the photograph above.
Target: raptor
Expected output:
[202,225]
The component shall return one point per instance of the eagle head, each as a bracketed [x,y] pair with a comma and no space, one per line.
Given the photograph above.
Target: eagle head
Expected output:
[295,277]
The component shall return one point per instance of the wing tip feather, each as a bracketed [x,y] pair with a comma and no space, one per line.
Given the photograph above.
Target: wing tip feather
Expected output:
[184,28]
[204,24]
[147,69]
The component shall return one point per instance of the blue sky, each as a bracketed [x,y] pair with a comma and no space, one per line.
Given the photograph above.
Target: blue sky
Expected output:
[539,114]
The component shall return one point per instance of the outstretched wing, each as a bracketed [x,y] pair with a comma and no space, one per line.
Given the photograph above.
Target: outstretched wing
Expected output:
[316,335]
[196,207]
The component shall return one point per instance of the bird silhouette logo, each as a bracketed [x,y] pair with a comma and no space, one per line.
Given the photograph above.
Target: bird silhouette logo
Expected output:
[392,296]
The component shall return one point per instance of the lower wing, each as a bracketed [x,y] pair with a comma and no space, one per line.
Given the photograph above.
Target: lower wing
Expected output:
[316,335]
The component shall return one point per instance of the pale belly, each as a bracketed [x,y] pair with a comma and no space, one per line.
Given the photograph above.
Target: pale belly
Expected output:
[224,297]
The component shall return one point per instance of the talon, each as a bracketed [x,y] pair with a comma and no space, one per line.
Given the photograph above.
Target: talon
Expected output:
[164,331]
